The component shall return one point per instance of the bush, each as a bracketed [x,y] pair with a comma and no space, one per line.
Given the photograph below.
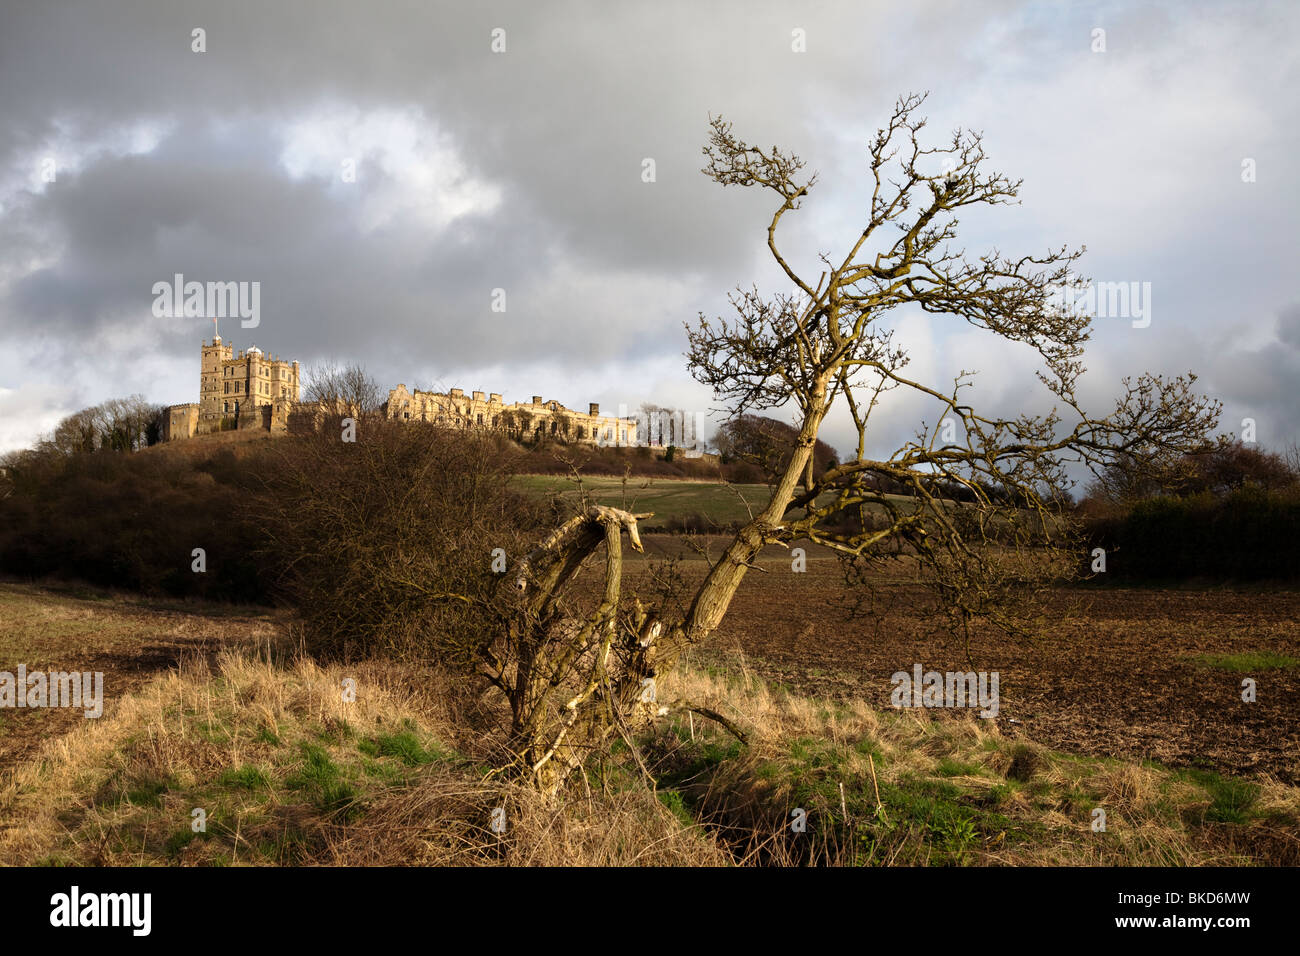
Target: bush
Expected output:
[360,536]
[386,544]
[1250,534]
[131,521]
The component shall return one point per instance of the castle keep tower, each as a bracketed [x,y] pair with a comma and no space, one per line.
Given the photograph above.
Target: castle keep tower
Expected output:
[210,377]
[248,390]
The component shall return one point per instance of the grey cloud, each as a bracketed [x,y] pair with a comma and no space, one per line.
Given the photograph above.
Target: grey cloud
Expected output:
[600,268]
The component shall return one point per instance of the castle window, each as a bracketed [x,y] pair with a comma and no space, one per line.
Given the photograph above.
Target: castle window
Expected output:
[480,419]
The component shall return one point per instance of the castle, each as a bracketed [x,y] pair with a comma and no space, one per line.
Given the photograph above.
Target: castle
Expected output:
[535,420]
[253,390]
[249,390]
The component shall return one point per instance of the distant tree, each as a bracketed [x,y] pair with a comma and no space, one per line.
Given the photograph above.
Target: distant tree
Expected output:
[344,389]
[1220,468]
[511,423]
[566,427]
[1292,457]
[766,442]
[1229,466]
[118,424]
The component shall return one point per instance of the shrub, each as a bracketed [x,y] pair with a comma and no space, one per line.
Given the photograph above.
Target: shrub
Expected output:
[387,543]
[1250,534]
[132,521]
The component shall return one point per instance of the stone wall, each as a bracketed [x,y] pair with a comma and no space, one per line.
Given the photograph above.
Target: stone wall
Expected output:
[538,418]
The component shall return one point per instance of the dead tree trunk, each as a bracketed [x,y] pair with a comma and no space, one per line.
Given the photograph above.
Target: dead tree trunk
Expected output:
[572,682]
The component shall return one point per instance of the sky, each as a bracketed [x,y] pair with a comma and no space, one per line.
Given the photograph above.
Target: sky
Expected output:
[382,172]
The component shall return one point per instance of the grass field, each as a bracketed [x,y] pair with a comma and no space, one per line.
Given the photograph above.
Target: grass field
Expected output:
[670,499]
[1129,705]
[129,640]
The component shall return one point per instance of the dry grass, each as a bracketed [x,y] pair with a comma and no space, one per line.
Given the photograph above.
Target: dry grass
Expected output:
[127,638]
[951,790]
[288,772]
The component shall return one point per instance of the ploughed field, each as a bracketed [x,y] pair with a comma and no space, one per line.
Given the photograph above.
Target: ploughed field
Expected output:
[1138,673]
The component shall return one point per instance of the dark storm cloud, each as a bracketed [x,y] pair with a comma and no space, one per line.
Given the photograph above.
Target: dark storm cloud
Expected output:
[172,161]
[1264,384]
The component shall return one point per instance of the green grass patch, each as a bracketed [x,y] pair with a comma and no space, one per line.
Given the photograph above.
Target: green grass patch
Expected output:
[266,735]
[948,767]
[405,746]
[1231,800]
[245,778]
[325,783]
[676,805]
[1246,662]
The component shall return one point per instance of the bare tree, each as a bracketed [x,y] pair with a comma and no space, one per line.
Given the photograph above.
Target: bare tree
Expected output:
[573,681]
[118,424]
[344,390]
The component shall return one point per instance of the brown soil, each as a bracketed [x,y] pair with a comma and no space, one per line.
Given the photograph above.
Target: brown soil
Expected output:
[1109,673]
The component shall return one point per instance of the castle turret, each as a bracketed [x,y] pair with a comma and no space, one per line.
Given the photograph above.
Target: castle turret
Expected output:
[256,386]
[210,376]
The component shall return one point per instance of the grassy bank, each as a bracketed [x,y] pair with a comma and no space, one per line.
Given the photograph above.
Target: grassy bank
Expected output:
[288,771]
